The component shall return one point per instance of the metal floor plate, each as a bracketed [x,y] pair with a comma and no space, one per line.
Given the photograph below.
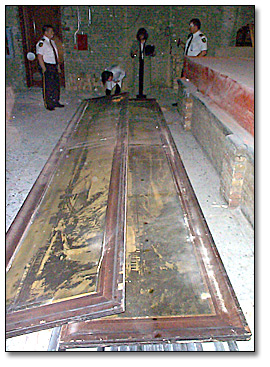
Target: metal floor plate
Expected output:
[176,286]
[65,249]
[112,244]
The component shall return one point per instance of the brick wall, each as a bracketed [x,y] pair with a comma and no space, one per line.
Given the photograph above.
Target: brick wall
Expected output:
[233,171]
[15,69]
[208,130]
[113,29]
[247,202]
[110,36]
[230,155]
[237,176]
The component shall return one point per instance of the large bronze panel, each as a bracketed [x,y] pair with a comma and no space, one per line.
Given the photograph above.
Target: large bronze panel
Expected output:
[68,263]
[65,242]
[163,276]
[176,286]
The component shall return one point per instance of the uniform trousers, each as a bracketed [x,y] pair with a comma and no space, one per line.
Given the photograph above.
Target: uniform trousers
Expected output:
[51,86]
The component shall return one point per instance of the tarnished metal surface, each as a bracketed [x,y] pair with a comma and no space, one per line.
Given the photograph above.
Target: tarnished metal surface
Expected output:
[69,261]
[68,226]
[163,276]
[176,286]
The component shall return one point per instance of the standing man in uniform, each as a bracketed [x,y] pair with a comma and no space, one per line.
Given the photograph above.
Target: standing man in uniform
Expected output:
[196,45]
[47,55]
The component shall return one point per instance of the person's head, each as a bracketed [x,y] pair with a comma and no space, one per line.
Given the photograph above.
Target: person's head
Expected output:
[106,76]
[48,31]
[142,34]
[194,25]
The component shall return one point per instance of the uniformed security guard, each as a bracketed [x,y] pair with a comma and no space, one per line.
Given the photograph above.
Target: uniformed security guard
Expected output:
[196,45]
[47,55]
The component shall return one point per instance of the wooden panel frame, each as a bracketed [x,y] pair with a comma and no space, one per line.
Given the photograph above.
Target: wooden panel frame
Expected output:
[109,298]
[228,323]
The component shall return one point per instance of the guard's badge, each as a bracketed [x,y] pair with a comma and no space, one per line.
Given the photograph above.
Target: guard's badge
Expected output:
[40,44]
[204,40]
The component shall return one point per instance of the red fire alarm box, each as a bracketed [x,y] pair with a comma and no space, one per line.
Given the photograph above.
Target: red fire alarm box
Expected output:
[82,42]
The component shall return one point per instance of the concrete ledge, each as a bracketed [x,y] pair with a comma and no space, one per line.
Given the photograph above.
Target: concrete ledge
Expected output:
[228,145]
[229,82]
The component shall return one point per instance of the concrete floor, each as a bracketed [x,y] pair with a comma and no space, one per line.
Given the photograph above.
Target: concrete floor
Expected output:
[31,134]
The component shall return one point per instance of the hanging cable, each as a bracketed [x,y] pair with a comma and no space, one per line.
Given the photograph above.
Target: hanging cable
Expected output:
[89,16]
[79,24]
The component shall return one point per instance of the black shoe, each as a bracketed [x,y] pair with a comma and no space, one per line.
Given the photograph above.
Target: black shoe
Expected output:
[174,104]
[60,105]
[50,108]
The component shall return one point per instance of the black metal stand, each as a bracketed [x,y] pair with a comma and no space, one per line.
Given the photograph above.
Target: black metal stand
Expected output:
[141,76]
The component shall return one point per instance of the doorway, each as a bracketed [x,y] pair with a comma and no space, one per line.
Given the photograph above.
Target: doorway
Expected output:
[32,19]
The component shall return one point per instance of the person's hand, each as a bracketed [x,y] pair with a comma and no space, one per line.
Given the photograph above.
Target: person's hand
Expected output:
[58,68]
[43,70]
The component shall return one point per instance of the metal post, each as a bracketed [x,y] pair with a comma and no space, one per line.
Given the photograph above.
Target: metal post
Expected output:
[141,76]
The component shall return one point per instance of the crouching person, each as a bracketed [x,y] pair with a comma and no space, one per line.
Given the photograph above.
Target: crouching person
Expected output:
[112,77]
